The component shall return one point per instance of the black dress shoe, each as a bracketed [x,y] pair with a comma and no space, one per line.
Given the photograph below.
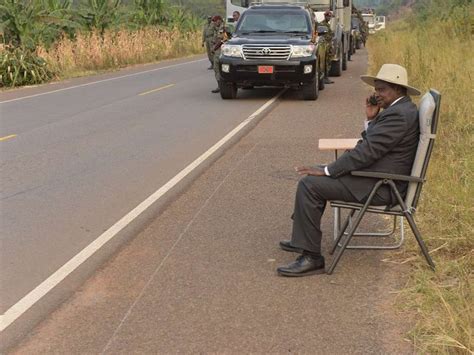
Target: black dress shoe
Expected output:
[211,67]
[303,266]
[215,91]
[286,246]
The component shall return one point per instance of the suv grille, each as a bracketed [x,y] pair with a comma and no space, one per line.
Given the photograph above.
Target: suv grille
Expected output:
[266,52]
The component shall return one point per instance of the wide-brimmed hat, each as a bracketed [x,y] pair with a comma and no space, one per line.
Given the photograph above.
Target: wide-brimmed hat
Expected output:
[394,74]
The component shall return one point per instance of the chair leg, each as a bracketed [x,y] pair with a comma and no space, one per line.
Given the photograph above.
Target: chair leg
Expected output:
[354,228]
[413,226]
[393,246]
[341,232]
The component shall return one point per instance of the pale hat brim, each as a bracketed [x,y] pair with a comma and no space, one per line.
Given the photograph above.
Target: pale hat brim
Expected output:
[368,79]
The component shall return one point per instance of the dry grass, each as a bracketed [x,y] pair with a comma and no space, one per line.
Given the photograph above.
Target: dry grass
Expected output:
[439,55]
[90,52]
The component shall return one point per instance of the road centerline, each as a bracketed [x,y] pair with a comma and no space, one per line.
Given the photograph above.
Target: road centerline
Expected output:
[7,137]
[157,89]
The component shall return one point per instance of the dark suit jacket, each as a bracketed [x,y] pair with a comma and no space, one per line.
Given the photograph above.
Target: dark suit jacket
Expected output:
[388,145]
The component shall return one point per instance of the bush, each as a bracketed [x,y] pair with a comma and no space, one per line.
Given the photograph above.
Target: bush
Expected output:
[21,66]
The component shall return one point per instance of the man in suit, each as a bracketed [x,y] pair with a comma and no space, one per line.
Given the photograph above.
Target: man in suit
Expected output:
[388,145]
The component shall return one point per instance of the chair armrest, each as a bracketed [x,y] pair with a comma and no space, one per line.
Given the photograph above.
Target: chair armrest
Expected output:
[373,174]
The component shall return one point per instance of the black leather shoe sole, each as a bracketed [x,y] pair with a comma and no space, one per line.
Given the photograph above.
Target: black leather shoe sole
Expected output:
[286,246]
[307,273]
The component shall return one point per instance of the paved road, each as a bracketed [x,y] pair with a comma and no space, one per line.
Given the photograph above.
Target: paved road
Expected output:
[201,278]
[90,150]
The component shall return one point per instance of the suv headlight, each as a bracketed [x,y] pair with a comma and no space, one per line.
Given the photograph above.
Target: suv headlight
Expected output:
[231,50]
[303,51]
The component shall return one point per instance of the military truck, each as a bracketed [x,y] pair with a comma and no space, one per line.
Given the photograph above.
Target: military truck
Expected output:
[340,26]
[369,18]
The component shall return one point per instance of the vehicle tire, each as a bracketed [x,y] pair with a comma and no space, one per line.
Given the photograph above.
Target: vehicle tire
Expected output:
[228,90]
[311,91]
[321,82]
[344,61]
[336,66]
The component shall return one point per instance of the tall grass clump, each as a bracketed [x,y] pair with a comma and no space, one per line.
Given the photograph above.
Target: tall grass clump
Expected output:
[93,51]
[436,46]
[41,39]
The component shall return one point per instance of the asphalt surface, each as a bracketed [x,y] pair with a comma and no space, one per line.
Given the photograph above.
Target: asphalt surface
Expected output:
[85,156]
[201,277]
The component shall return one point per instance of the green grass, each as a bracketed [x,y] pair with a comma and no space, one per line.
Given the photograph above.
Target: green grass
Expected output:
[438,54]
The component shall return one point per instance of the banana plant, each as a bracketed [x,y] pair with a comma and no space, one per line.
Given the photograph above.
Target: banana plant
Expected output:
[29,23]
[100,14]
[149,12]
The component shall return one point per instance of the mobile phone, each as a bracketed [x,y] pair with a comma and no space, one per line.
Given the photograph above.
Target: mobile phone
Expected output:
[373,100]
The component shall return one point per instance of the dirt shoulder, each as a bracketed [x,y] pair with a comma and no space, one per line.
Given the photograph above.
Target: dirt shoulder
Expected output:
[201,278]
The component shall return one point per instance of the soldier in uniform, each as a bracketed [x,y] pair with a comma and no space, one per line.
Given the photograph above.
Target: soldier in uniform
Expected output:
[329,49]
[207,33]
[220,36]
[364,28]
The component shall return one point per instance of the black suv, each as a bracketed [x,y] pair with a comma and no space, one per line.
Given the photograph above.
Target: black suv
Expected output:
[273,45]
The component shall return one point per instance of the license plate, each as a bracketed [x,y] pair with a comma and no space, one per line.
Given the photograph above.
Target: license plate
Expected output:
[265,69]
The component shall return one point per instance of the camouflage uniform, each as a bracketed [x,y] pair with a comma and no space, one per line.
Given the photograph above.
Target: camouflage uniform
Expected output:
[364,28]
[207,34]
[218,39]
[329,49]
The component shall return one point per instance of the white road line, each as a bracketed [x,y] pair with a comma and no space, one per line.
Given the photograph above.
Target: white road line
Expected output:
[47,285]
[102,81]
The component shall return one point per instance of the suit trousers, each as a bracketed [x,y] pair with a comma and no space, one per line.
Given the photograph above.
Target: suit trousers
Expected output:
[312,194]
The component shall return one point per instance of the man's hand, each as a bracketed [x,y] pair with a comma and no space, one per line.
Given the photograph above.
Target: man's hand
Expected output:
[315,171]
[371,110]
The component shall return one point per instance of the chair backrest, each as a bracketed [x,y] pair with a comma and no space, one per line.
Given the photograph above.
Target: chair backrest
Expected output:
[428,114]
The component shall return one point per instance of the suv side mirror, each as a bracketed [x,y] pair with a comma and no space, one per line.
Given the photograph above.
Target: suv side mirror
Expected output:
[322,30]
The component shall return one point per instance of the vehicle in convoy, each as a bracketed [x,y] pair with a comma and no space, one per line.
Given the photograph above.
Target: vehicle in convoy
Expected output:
[341,28]
[379,23]
[273,45]
[370,19]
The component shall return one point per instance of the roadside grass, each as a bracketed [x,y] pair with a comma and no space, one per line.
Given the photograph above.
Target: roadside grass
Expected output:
[438,54]
[91,52]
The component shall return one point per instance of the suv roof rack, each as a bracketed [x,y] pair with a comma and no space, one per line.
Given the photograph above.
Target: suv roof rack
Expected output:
[280,2]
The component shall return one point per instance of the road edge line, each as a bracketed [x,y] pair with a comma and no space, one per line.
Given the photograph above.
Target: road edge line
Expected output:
[102,81]
[21,307]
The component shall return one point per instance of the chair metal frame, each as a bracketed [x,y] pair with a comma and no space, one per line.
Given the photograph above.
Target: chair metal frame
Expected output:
[385,234]
[404,209]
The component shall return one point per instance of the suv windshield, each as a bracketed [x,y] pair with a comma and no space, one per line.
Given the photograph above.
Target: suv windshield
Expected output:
[271,21]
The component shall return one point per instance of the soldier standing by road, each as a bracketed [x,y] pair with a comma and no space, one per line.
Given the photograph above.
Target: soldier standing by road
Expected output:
[364,28]
[218,39]
[329,48]
[207,34]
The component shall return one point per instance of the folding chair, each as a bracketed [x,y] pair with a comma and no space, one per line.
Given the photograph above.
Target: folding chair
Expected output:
[428,116]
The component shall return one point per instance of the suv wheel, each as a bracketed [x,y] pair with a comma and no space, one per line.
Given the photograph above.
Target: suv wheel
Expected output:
[311,91]
[321,81]
[336,66]
[228,90]
[344,60]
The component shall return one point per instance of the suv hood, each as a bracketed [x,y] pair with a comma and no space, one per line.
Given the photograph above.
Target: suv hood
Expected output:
[270,39]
